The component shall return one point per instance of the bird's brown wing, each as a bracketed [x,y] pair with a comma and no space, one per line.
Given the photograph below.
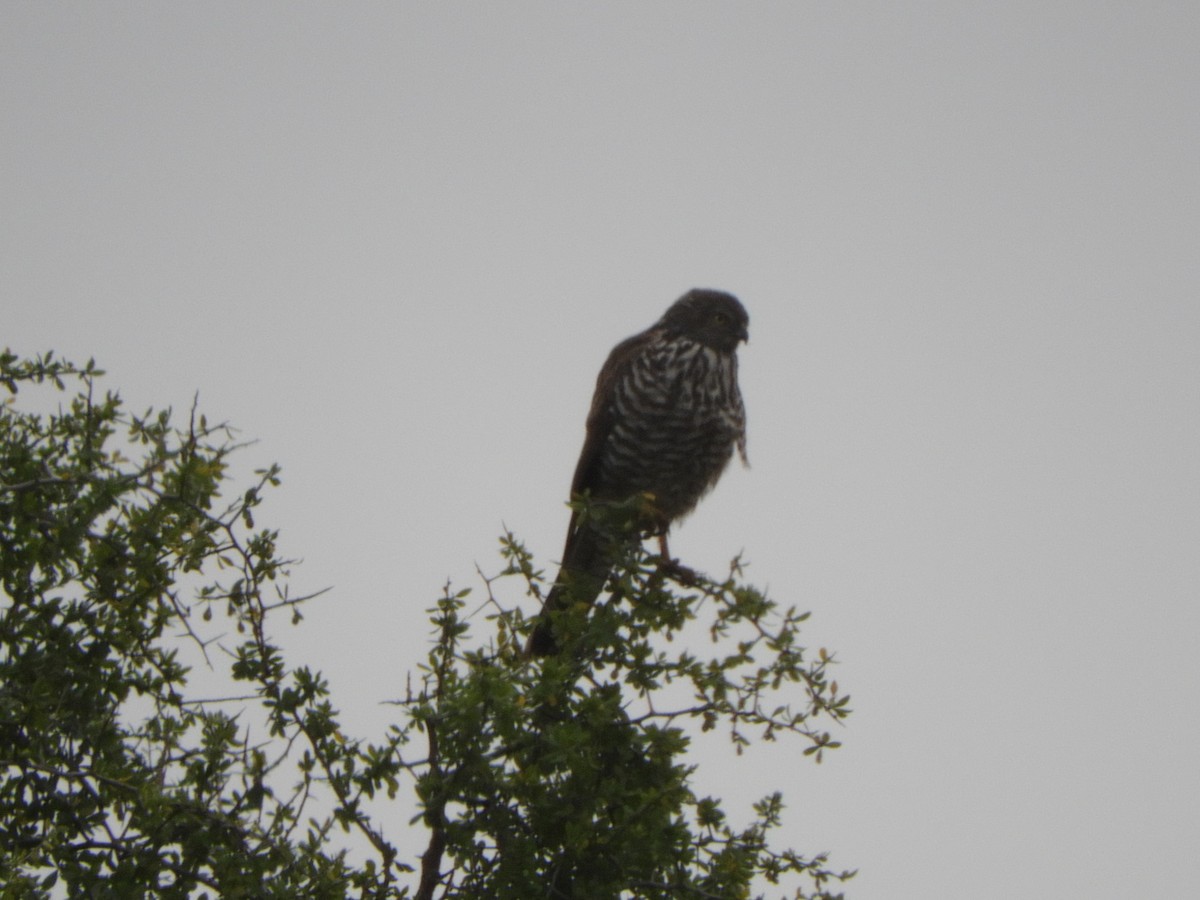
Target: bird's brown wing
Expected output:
[600,416]
[599,425]
[586,557]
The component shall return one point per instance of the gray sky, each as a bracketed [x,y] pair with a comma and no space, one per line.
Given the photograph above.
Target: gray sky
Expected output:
[395,242]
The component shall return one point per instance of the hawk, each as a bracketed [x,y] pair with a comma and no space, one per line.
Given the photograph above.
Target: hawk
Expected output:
[665,420]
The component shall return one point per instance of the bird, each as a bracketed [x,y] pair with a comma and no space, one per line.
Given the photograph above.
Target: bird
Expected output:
[665,420]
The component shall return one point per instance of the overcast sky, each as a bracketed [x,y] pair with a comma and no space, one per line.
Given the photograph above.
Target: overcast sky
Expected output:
[394,244]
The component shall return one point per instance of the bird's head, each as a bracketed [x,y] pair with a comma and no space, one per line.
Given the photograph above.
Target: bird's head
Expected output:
[714,318]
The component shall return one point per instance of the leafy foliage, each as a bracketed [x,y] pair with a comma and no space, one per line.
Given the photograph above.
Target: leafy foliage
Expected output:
[571,774]
[123,568]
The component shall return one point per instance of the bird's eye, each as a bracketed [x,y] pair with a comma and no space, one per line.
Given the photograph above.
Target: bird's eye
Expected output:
[721,318]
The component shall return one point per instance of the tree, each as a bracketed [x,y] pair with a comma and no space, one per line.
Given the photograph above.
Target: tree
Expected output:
[124,570]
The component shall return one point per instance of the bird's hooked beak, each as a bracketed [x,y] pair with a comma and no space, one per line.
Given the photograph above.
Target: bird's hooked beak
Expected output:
[744,335]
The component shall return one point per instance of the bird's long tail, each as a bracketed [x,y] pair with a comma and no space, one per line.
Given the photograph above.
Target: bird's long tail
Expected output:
[587,560]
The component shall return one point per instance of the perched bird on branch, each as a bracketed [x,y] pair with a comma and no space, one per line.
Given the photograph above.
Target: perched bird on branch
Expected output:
[665,419]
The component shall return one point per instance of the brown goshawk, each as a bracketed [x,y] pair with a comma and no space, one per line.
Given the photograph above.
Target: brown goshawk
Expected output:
[665,419]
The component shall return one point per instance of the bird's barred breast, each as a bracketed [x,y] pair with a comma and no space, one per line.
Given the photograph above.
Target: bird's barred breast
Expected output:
[678,416]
